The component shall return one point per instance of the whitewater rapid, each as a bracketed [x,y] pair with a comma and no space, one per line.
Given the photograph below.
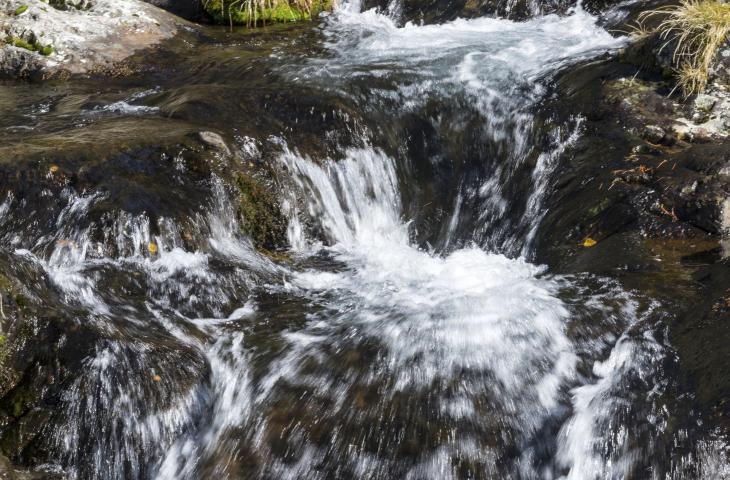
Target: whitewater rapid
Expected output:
[361,351]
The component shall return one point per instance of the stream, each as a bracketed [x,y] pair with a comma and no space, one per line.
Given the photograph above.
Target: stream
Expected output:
[405,330]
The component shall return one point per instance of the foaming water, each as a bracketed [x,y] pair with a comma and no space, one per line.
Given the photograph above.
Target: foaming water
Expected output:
[485,75]
[529,49]
[470,310]
[470,328]
[363,352]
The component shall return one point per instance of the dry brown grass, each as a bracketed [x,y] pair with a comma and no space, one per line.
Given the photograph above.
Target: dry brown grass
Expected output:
[696,29]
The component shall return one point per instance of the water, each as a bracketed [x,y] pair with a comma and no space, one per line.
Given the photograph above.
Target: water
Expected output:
[395,339]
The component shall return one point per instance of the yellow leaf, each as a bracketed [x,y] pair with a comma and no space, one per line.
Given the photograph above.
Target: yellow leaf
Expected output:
[54,168]
[152,247]
[589,242]
[156,378]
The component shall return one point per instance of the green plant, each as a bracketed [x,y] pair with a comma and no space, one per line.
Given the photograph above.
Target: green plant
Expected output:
[254,12]
[34,46]
[20,43]
[697,29]
[21,9]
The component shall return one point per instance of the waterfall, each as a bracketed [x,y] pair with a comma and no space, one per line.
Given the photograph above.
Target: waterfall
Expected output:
[367,349]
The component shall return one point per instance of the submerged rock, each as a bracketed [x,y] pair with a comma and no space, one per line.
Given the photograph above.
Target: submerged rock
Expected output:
[653,134]
[214,141]
[60,38]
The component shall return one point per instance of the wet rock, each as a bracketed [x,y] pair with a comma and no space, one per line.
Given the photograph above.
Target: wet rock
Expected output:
[188,9]
[653,134]
[259,213]
[645,149]
[214,141]
[46,41]
[700,117]
[7,472]
[688,190]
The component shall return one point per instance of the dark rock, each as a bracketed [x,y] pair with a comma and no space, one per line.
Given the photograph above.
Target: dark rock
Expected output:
[439,11]
[700,117]
[688,190]
[653,134]
[188,9]
[720,69]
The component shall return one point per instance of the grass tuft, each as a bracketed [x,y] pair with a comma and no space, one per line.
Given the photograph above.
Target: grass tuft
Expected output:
[254,12]
[697,28]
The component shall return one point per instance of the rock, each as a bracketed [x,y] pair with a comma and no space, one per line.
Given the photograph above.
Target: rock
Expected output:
[215,141]
[645,149]
[188,9]
[725,216]
[725,171]
[688,190]
[7,472]
[720,67]
[705,103]
[700,117]
[653,134]
[55,39]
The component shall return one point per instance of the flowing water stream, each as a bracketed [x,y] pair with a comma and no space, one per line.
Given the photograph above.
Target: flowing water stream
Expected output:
[405,336]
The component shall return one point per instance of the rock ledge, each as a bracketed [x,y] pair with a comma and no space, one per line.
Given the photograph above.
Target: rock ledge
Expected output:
[39,39]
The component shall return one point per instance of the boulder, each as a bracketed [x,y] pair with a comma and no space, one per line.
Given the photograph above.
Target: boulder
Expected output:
[42,40]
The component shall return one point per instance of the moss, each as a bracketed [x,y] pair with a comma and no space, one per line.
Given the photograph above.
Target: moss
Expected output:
[20,43]
[44,50]
[238,13]
[598,208]
[22,301]
[259,214]
[21,9]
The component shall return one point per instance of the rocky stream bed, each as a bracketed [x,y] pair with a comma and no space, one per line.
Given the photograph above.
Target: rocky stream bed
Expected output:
[409,240]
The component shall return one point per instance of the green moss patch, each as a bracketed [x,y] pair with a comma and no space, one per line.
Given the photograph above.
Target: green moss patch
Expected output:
[253,12]
[44,50]
[259,214]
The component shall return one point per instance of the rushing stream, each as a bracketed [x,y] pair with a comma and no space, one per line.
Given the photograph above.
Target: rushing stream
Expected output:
[404,335]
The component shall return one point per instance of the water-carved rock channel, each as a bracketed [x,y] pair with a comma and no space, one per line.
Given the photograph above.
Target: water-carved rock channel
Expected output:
[343,250]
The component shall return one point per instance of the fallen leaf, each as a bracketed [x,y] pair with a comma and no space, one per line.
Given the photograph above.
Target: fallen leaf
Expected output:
[152,247]
[54,168]
[589,242]
[156,378]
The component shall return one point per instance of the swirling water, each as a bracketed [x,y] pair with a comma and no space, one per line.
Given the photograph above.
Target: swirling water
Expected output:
[369,353]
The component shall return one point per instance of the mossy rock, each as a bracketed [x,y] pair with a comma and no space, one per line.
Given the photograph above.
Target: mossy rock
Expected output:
[259,214]
[227,11]
[32,45]
[20,43]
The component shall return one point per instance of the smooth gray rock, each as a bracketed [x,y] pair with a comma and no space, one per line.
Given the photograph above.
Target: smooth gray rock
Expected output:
[83,38]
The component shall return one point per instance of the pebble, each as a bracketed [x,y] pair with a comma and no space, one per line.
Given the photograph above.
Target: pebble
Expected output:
[653,134]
